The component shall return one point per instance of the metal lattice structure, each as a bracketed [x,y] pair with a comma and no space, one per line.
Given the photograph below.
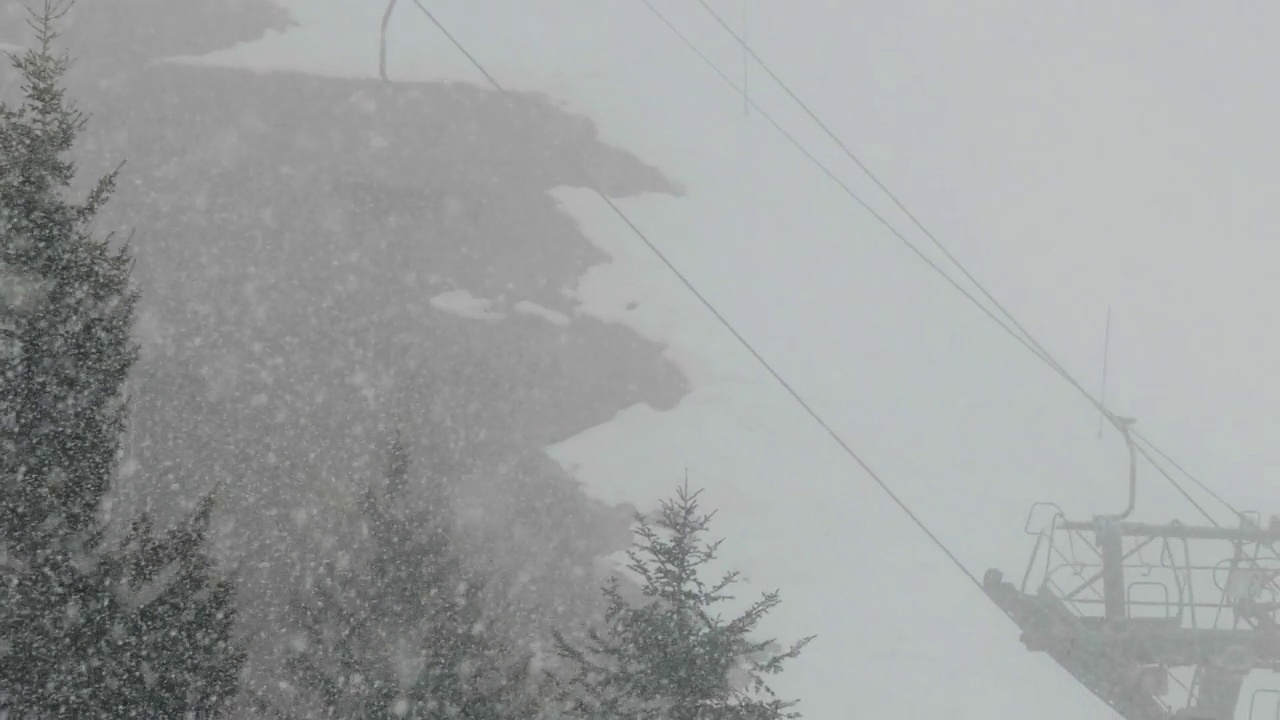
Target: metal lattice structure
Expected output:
[1121,604]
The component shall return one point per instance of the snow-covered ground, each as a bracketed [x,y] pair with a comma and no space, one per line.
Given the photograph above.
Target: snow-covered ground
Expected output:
[463,304]
[1078,156]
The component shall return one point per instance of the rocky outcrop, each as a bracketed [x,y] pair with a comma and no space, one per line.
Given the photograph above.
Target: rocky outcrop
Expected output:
[322,260]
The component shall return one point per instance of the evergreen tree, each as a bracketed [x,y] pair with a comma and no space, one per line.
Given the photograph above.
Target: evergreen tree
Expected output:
[137,631]
[669,656]
[406,636]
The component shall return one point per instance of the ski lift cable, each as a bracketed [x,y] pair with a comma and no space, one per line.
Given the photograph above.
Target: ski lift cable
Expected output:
[461,48]
[880,482]
[1017,331]
[724,321]
[826,129]
[1187,473]
[826,170]
[1026,341]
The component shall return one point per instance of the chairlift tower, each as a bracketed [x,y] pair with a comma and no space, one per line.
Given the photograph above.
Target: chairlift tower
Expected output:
[1125,607]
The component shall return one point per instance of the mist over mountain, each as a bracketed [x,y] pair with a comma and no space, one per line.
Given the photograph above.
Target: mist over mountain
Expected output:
[323,262]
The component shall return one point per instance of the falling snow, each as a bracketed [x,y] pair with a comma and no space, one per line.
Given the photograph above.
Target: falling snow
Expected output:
[369,386]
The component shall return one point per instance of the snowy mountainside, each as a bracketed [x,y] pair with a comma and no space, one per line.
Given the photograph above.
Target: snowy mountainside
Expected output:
[876,343]
[323,261]
[597,355]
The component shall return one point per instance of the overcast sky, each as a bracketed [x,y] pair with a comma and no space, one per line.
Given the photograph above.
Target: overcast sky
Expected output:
[1079,155]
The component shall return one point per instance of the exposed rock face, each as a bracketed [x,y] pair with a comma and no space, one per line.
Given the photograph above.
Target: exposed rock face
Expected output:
[292,234]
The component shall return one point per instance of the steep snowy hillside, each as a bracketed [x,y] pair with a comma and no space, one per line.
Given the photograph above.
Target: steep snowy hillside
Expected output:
[964,427]
[325,260]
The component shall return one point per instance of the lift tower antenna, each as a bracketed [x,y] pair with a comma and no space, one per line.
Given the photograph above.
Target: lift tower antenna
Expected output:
[1106,360]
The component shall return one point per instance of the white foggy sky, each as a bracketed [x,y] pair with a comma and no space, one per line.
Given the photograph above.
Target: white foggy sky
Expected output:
[1075,155]
[1080,154]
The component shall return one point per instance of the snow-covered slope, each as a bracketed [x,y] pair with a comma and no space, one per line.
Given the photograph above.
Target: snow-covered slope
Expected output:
[966,426]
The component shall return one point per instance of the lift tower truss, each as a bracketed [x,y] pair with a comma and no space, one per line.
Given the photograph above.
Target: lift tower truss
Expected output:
[1125,607]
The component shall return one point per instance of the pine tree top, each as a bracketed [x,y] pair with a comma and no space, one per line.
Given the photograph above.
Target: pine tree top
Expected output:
[66,310]
[406,634]
[671,656]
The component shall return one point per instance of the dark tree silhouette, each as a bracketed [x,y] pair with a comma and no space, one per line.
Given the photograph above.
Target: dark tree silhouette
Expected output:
[137,631]
[406,636]
[669,656]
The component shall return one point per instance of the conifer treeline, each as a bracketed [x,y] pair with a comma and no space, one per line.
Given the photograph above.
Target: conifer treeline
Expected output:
[143,627]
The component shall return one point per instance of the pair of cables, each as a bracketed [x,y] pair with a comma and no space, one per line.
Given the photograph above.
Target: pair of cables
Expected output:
[987,303]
